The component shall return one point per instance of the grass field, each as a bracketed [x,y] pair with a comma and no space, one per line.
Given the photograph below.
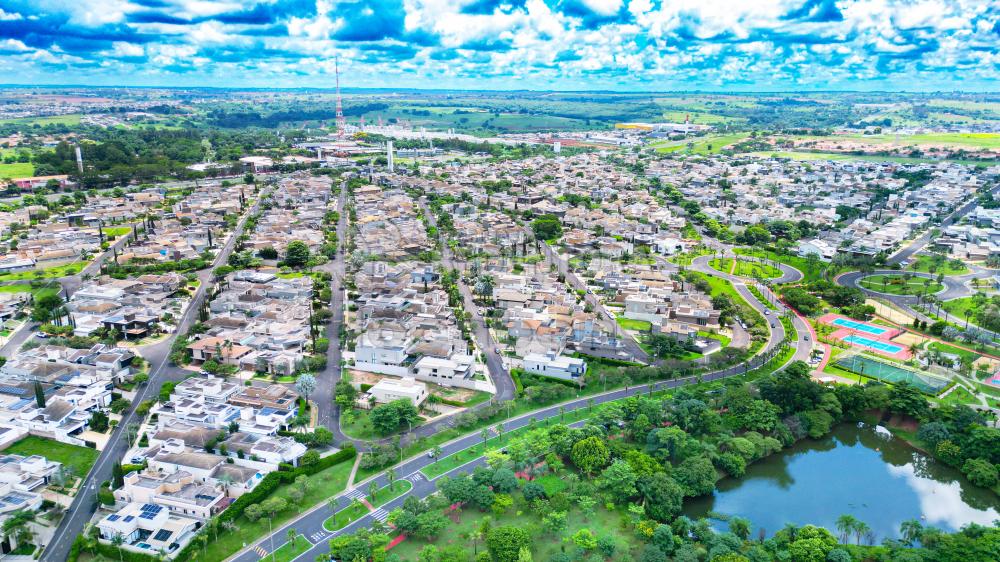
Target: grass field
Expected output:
[291,550]
[116,231]
[38,291]
[745,268]
[862,157]
[71,119]
[79,459]
[958,307]
[928,264]
[899,285]
[45,273]
[811,271]
[711,144]
[17,170]
[635,325]
[950,349]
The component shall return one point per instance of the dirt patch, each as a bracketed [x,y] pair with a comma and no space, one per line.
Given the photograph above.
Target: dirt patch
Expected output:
[908,339]
[905,423]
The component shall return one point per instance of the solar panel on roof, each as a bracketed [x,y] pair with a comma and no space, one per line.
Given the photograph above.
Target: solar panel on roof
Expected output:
[114,517]
[12,499]
[128,518]
[162,535]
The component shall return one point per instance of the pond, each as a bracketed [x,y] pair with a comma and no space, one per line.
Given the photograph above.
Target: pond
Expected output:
[878,479]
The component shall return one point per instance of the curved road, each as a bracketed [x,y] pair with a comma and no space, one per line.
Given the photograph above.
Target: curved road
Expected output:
[311,523]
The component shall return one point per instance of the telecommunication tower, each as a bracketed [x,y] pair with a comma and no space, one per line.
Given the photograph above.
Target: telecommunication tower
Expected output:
[341,122]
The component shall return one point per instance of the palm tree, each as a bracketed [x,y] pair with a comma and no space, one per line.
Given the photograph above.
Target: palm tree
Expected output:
[292,534]
[861,529]
[372,490]
[845,524]
[118,540]
[391,473]
[911,529]
[485,434]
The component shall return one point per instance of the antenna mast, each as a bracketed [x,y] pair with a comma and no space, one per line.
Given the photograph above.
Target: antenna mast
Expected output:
[341,122]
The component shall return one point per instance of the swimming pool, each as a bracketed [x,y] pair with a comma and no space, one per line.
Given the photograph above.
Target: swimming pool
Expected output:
[860,326]
[877,345]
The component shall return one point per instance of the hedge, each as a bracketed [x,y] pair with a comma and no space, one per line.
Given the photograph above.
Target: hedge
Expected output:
[108,551]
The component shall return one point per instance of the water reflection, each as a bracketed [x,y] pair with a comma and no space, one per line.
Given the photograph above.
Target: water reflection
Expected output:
[879,480]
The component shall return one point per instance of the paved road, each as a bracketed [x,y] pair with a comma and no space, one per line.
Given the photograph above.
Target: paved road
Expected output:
[803,343]
[632,350]
[499,375]
[81,510]
[954,287]
[922,240]
[328,412]
[311,524]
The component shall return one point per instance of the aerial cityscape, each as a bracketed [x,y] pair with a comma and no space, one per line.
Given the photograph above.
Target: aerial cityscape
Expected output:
[472,281]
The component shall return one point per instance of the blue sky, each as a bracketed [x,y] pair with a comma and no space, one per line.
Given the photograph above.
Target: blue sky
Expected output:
[506,44]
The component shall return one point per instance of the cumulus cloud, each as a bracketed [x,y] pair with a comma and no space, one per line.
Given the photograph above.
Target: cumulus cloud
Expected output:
[559,44]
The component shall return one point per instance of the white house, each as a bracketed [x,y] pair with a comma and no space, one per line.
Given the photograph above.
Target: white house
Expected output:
[821,248]
[556,366]
[388,390]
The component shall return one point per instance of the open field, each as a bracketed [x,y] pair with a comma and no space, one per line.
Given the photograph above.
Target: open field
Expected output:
[71,119]
[711,144]
[635,325]
[743,268]
[17,170]
[45,273]
[79,459]
[925,264]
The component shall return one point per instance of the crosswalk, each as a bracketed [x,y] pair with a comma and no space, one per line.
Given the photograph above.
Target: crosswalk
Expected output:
[356,494]
[380,514]
[415,477]
[317,537]
[260,551]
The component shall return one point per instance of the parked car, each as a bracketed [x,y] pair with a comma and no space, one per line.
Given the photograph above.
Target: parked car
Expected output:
[41,335]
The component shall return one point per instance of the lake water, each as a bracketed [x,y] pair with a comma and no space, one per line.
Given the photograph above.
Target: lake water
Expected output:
[878,479]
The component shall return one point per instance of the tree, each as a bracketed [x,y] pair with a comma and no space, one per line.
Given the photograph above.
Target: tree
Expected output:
[39,395]
[911,529]
[662,496]
[590,455]
[296,254]
[585,539]
[17,525]
[547,227]
[980,472]
[740,527]
[117,475]
[305,385]
[99,421]
[845,525]
[388,418]
[619,480]
[505,542]
[696,475]
[904,398]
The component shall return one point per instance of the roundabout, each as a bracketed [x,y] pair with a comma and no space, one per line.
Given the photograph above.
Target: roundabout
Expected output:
[901,284]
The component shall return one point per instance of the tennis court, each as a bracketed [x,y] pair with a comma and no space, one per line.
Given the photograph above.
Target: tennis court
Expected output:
[880,370]
[877,345]
[860,326]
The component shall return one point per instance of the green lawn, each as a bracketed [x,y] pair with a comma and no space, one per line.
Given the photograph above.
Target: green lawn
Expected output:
[38,291]
[71,119]
[45,273]
[811,270]
[930,264]
[722,339]
[950,349]
[79,459]
[960,396]
[958,307]
[116,231]
[711,144]
[635,325]
[321,486]
[291,550]
[354,512]
[896,284]
[745,268]
[358,424]
[17,170]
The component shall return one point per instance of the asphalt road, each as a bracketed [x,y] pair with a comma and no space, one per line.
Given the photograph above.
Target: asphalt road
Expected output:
[81,510]
[311,524]
[922,240]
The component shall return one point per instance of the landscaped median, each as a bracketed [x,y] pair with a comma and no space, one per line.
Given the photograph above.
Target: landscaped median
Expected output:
[358,509]
[291,550]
